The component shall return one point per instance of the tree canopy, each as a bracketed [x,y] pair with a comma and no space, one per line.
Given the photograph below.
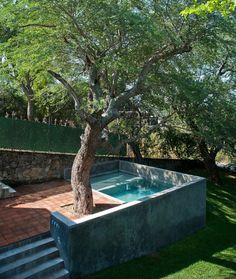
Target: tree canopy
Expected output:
[112,56]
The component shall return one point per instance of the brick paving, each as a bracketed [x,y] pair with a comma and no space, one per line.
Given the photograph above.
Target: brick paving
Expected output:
[28,213]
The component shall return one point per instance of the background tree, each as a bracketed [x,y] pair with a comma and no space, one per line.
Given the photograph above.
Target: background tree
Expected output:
[24,60]
[201,94]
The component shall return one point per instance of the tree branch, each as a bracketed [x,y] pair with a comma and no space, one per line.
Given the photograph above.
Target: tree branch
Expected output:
[85,116]
[221,70]
[167,52]
[69,88]
[78,28]
[94,82]
[38,25]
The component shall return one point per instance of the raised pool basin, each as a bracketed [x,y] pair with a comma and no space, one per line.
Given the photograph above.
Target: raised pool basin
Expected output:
[131,229]
[127,187]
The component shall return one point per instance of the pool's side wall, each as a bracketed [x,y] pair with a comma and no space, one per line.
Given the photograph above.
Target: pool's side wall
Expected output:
[152,173]
[130,230]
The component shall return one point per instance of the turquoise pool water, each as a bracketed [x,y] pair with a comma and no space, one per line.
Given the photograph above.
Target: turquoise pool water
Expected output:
[127,187]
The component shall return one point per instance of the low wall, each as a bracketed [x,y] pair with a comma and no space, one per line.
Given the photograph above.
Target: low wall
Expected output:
[133,229]
[152,173]
[169,164]
[22,167]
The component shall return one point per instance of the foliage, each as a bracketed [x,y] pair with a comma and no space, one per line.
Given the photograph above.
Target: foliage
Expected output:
[117,37]
[198,91]
[209,253]
[25,57]
[224,7]
[177,143]
[208,111]
[53,103]
[225,157]
[11,100]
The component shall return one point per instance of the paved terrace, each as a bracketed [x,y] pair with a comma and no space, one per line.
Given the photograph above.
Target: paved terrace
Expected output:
[28,213]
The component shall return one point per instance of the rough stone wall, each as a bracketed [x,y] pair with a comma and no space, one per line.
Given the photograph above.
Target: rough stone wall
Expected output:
[22,167]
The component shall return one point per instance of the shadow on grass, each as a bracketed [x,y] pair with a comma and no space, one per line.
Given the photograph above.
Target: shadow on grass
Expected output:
[209,253]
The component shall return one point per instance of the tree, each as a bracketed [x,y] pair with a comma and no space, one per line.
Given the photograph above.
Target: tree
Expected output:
[17,70]
[111,45]
[213,128]
[24,61]
[202,97]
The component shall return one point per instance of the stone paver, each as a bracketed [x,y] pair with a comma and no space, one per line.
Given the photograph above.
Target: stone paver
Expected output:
[28,213]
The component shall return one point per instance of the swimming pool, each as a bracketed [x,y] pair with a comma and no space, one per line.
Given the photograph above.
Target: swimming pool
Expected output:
[131,229]
[127,187]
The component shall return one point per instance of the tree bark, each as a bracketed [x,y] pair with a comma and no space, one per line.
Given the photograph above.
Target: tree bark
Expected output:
[30,108]
[29,92]
[80,176]
[136,150]
[209,162]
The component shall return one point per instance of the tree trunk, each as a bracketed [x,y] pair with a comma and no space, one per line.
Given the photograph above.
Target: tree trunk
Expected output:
[29,92]
[30,108]
[213,171]
[136,150]
[209,162]
[80,176]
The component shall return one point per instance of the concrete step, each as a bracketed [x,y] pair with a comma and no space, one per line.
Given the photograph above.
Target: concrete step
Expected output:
[29,262]
[24,242]
[61,274]
[6,191]
[41,271]
[26,250]
[33,258]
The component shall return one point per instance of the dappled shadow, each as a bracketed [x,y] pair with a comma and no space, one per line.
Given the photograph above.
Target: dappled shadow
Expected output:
[226,263]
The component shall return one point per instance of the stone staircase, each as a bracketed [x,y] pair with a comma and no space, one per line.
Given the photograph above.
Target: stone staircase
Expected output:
[33,258]
[6,191]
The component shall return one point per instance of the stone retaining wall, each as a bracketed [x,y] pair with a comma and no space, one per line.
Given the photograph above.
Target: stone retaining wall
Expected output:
[23,167]
[17,167]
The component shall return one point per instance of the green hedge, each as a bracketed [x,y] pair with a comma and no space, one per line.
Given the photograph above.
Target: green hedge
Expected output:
[26,135]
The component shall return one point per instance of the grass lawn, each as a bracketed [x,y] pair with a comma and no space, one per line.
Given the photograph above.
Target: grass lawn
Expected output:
[209,253]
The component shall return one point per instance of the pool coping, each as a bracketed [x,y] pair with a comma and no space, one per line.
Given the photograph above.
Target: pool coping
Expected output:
[124,205]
